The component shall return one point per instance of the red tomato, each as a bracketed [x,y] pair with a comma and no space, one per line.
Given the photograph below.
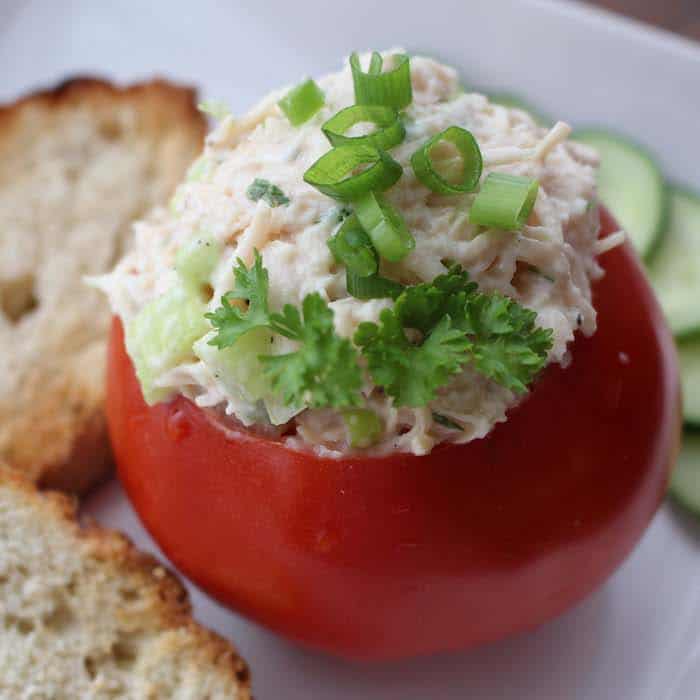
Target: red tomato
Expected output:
[384,558]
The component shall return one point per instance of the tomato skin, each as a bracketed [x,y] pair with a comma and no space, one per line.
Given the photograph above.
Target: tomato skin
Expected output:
[403,555]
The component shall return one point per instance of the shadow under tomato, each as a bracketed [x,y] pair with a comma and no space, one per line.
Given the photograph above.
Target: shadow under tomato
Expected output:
[542,664]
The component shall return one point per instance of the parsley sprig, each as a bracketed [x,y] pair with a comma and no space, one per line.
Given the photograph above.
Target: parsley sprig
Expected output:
[410,373]
[458,325]
[506,345]
[323,371]
[250,286]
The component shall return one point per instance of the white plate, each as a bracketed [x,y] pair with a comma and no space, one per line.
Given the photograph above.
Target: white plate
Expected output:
[638,638]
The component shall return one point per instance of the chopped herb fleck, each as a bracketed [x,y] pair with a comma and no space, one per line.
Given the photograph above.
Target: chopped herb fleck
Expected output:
[265,190]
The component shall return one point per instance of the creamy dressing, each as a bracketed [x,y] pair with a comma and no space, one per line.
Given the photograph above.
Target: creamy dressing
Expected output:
[548,266]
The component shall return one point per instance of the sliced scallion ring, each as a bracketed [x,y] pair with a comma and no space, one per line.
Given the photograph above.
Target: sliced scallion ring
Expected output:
[504,202]
[332,172]
[372,287]
[302,102]
[385,226]
[352,247]
[390,89]
[389,132]
[469,151]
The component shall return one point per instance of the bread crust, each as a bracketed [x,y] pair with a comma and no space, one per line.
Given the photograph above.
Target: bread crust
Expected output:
[120,559]
[158,94]
[53,427]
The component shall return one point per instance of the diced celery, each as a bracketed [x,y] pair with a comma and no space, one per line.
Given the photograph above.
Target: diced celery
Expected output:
[241,373]
[196,260]
[364,426]
[238,368]
[160,337]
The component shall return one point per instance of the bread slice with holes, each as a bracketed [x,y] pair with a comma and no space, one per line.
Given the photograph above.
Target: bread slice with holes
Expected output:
[85,615]
[77,165]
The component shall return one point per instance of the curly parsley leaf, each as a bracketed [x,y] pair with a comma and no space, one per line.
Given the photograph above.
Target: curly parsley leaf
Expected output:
[507,345]
[231,322]
[424,305]
[265,190]
[411,373]
[324,370]
[458,325]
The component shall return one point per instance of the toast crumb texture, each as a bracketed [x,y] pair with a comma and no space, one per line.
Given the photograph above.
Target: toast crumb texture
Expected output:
[77,165]
[85,615]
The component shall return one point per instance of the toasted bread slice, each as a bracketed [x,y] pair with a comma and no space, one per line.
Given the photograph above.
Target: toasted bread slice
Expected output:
[85,615]
[77,165]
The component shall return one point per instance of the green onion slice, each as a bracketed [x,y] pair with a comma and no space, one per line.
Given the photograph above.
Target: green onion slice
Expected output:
[352,247]
[425,168]
[375,63]
[389,132]
[331,173]
[385,226]
[504,202]
[390,89]
[372,287]
[302,102]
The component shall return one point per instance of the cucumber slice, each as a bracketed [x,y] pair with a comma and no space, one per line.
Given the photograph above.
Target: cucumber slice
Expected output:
[689,356]
[631,186]
[685,480]
[675,269]
[506,99]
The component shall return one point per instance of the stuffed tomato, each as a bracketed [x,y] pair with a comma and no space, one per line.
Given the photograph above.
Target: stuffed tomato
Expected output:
[385,378]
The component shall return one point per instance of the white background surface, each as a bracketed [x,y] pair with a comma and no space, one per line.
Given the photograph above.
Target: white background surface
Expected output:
[638,638]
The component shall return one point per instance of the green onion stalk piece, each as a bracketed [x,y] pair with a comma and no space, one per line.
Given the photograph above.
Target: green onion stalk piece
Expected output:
[302,102]
[375,63]
[390,130]
[504,202]
[332,172]
[352,247]
[425,168]
[385,227]
[390,89]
